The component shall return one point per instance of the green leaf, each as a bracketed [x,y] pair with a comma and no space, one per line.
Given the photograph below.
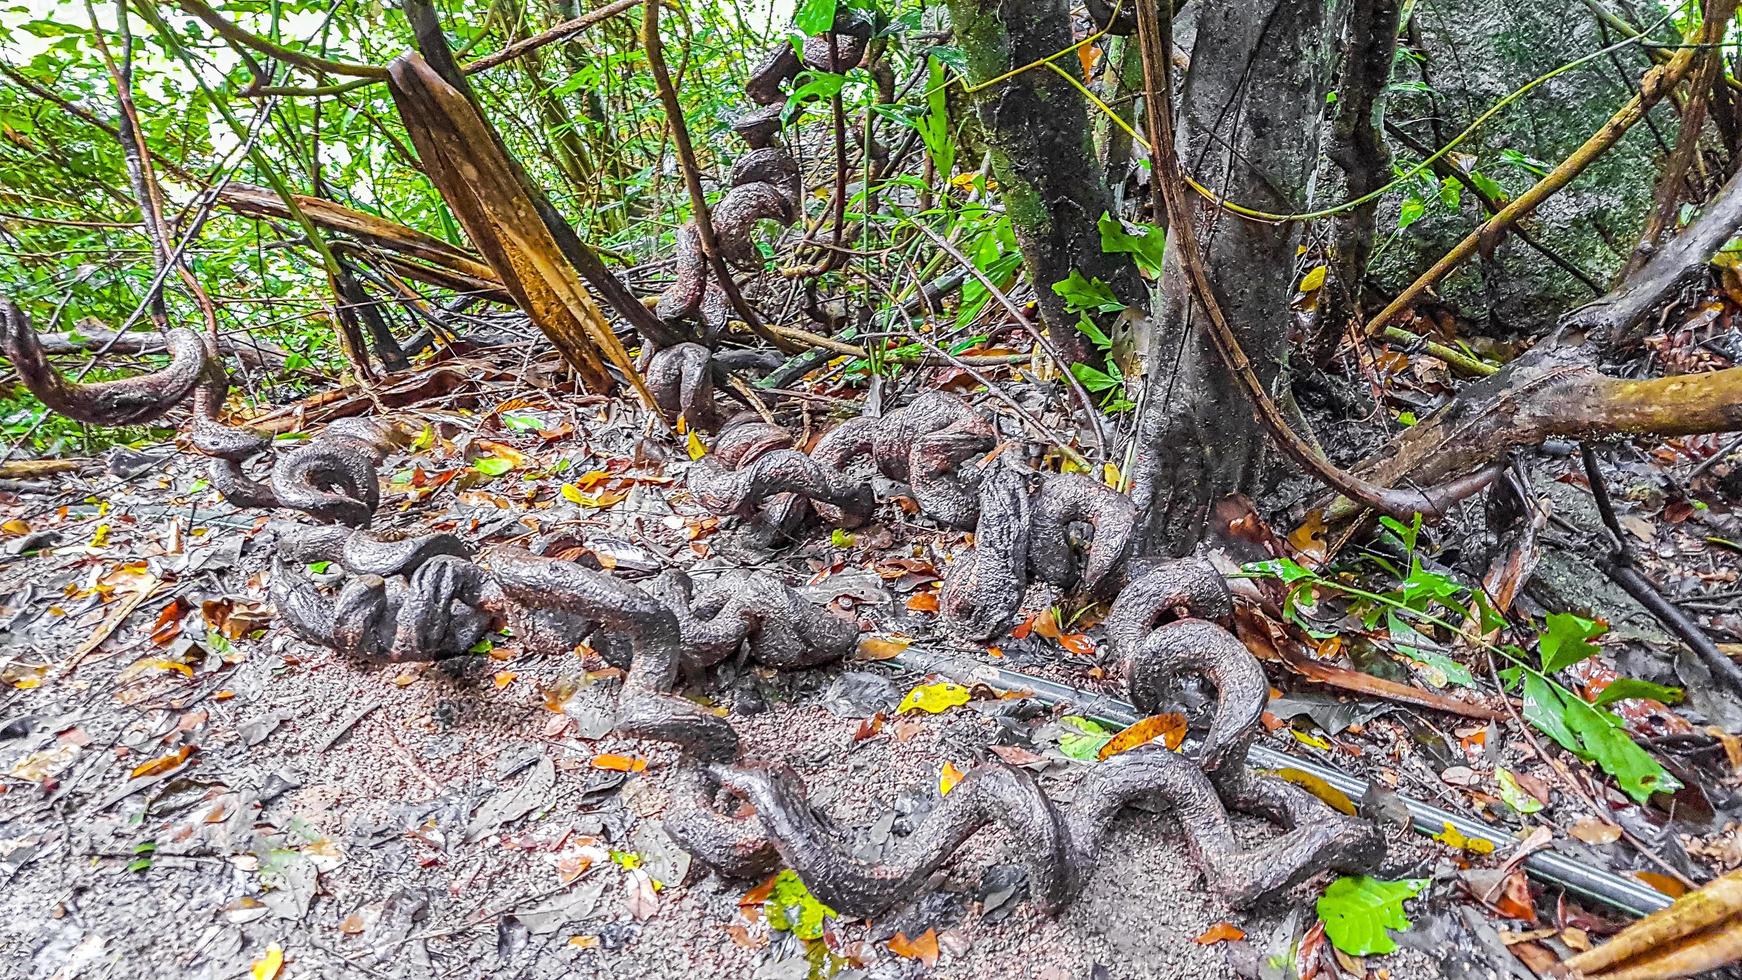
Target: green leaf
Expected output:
[1092,378]
[815,16]
[1083,739]
[1087,295]
[1608,744]
[813,85]
[1566,640]
[1146,245]
[1594,735]
[1513,794]
[841,538]
[1629,687]
[1287,570]
[1488,186]
[1544,709]
[1358,912]
[492,465]
[792,908]
[1088,329]
[319,567]
[1410,212]
[1441,669]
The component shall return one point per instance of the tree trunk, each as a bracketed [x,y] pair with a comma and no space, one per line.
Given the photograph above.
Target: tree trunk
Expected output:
[1037,129]
[1358,148]
[1248,127]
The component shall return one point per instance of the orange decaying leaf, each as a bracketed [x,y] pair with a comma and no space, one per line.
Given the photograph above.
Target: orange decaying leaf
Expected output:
[923,602]
[162,764]
[619,763]
[923,949]
[1221,932]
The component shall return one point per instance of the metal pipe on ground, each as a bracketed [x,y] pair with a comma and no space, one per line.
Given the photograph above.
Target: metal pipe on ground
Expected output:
[1596,884]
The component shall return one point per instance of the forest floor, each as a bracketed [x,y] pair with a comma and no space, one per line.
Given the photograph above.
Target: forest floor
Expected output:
[186,790]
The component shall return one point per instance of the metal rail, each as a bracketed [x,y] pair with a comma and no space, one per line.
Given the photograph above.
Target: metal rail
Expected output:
[1597,884]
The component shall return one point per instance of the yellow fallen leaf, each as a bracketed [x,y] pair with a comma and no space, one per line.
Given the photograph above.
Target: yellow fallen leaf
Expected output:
[881,647]
[1452,837]
[1309,739]
[267,966]
[16,527]
[948,777]
[504,678]
[1169,729]
[619,763]
[100,537]
[1333,797]
[573,495]
[933,698]
[1314,279]
[162,664]
[694,444]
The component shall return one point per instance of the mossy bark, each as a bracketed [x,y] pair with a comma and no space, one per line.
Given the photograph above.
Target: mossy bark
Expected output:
[1036,127]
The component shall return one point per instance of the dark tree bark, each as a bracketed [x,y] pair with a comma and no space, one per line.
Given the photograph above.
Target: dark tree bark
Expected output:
[1248,127]
[1358,148]
[1037,129]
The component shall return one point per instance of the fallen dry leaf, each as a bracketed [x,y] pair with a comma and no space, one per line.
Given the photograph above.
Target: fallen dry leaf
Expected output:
[882,647]
[1594,831]
[1168,728]
[923,602]
[923,949]
[619,763]
[162,764]
[948,777]
[1221,932]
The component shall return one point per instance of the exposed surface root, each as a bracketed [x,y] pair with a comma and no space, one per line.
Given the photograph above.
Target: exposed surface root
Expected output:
[128,401]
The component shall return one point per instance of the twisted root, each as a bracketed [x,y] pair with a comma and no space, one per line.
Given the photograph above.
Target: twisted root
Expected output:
[332,478]
[1020,536]
[128,401]
[1059,843]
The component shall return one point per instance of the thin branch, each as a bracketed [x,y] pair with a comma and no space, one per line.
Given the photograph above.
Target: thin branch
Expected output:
[236,34]
[1657,83]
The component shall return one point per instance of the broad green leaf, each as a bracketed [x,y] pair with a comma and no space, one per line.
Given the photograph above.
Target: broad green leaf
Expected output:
[1410,212]
[1543,708]
[815,16]
[1566,640]
[1083,738]
[1287,570]
[1146,245]
[1629,687]
[933,698]
[492,465]
[813,85]
[1608,745]
[1358,912]
[1513,794]
[1087,295]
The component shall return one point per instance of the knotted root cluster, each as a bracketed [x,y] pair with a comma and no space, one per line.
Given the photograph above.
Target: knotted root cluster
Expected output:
[764,183]
[1023,521]
[332,478]
[424,597]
